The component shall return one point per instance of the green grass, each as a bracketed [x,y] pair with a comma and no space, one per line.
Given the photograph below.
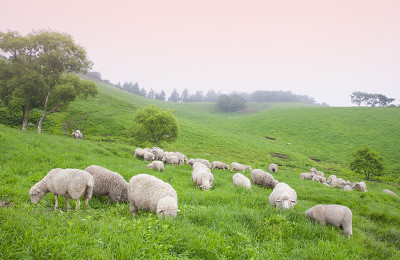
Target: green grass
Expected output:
[225,222]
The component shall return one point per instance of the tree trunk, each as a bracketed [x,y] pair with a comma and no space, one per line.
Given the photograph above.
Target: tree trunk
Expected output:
[39,127]
[25,117]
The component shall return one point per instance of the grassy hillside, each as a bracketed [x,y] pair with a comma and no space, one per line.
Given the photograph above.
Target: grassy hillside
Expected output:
[225,222]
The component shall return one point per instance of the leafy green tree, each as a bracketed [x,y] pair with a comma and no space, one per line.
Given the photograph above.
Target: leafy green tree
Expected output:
[231,103]
[367,162]
[155,125]
[174,97]
[185,95]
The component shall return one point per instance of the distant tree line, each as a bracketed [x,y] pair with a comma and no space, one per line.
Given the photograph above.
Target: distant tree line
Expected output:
[372,100]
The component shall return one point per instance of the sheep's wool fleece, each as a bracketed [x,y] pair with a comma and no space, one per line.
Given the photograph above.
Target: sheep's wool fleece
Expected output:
[146,190]
[241,180]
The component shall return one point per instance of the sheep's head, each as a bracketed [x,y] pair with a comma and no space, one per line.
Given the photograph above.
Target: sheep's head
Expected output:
[249,167]
[149,165]
[206,184]
[274,183]
[36,194]
[167,207]
[285,203]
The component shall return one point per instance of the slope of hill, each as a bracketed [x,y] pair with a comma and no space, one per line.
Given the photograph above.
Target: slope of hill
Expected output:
[225,222]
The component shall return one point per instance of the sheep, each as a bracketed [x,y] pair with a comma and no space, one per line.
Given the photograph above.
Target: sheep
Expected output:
[273,168]
[203,161]
[170,159]
[77,134]
[239,167]
[219,165]
[306,176]
[262,178]
[347,188]
[139,152]
[331,178]
[315,172]
[241,180]
[69,183]
[360,186]
[146,192]
[202,176]
[283,196]
[338,183]
[335,215]
[182,158]
[158,153]
[319,179]
[148,156]
[156,165]
[390,192]
[108,183]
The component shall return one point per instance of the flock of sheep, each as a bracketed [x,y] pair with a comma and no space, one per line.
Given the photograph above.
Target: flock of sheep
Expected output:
[146,192]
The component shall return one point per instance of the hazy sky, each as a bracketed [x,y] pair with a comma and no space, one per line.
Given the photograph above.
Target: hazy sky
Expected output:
[322,48]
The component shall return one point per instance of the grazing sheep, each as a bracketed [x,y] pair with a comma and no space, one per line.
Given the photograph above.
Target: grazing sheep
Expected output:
[273,168]
[77,134]
[156,165]
[158,153]
[315,172]
[148,156]
[241,180]
[335,215]
[360,186]
[202,176]
[262,178]
[331,178]
[147,192]
[338,183]
[69,183]
[108,183]
[170,159]
[139,152]
[239,167]
[390,192]
[203,161]
[347,188]
[319,179]
[306,176]
[283,196]
[182,158]
[219,165]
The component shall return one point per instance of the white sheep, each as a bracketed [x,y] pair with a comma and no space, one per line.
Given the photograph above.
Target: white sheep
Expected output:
[182,158]
[146,192]
[331,178]
[359,186]
[219,165]
[273,168]
[347,188]
[306,175]
[69,183]
[139,152]
[156,165]
[262,178]
[202,176]
[335,215]
[239,167]
[108,183]
[158,153]
[77,134]
[148,156]
[170,159]
[319,178]
[338,183]
[390,192]
[283,196]
[315,172]
[203,161]
[241,180]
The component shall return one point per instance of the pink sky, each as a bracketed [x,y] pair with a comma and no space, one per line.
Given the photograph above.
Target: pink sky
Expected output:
[324,49]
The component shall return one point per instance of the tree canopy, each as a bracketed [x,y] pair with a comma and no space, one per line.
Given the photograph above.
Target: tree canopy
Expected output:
[155,125]
[358,97]
[230,103]
[367,162]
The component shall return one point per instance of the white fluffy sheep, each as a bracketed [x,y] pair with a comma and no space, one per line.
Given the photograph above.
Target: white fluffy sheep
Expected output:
[139,152]
[158,153]
[283,196]
[241,180]
[108,183]
[319,178]
[306,176]
[203,161]
[77,134]
[148,156]
[146,192]
[390,192]
[262,178]
[335,215]
[273,168]
[156,165]
[182,158]
[239,167]
[359,186]
[69,183]
[331,178]
[338,183]
[170,159]
[347,188]
[315,172]
[202,176]
[219,165]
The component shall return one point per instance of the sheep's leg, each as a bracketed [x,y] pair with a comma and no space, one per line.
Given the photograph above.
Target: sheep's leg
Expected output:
[86,202]
[56,204]
[132,208]
[77,204]
[68,206]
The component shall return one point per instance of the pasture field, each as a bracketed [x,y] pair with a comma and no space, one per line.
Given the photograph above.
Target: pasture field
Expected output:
[223,223]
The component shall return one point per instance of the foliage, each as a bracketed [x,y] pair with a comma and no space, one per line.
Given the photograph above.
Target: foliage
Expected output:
[174,97]
[231,103]
[367,162]
[155,125]
[358,97]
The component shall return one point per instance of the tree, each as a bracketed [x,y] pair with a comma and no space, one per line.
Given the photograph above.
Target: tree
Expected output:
[372,100]
[185,95]
[155,125]
[174,97]
[151,94]
[230,103]
[211,96]
[357,97]
[367,162]
[160,96]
